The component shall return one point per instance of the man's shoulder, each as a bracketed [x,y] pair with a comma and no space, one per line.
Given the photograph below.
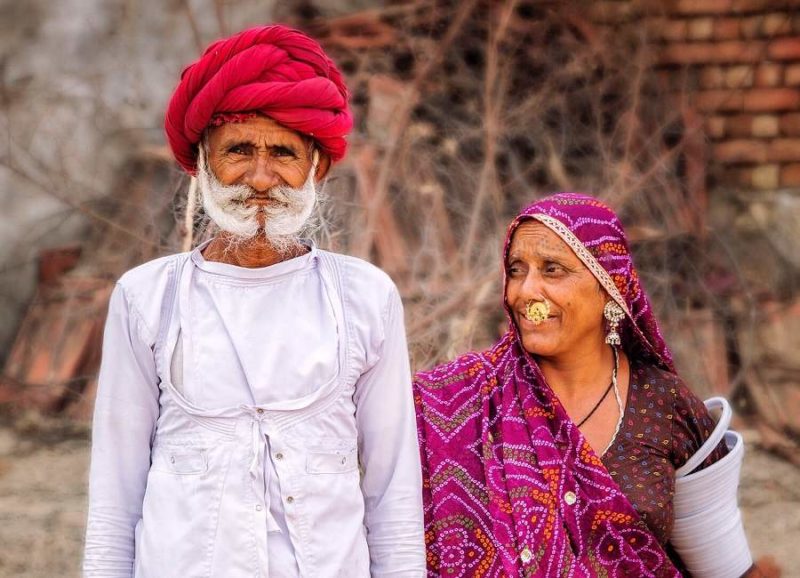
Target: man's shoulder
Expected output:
[152,272]
[362,275]
[146,285]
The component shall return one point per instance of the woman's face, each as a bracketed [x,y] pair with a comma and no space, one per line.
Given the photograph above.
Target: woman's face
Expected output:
[542,266]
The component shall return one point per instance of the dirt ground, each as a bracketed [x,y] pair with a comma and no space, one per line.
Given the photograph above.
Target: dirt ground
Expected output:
[43,498]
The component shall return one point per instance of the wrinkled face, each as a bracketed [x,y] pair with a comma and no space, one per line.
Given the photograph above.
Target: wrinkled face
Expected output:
[542,266]
[258,176]
[260,153]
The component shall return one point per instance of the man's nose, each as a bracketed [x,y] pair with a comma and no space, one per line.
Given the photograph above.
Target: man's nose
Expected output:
[261,176]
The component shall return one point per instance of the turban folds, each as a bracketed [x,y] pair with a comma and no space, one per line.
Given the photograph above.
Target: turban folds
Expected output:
[273,70]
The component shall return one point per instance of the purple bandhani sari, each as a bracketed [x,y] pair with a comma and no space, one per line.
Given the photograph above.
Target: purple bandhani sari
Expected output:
[511,487]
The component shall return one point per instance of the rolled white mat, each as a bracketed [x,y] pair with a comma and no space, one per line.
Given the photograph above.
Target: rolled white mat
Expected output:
[708,533]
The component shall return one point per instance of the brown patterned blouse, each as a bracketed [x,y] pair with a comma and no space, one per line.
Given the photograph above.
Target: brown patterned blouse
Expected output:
[664,424]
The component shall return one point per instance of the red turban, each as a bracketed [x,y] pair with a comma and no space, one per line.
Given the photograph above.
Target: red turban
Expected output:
[273,70]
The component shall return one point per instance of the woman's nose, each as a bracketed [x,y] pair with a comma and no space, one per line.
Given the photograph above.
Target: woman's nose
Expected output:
[532,287]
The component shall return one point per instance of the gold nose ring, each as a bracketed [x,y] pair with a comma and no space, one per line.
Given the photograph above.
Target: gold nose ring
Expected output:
[537,311]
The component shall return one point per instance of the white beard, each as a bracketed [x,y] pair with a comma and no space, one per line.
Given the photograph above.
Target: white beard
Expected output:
[282,222]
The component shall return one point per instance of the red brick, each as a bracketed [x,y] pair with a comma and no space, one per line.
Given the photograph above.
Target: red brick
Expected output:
[792,75]
[673,30]
[611,12]
[768,74]
[765,125]
[700,28]
[790,175]
[739,125]
[784,149]
[726,28]
[767,25]
[740,151]
[711,77]
[777,24]
[765,177]
[790,124]
[703,6]
[736,177]
[718,100]
[715,127]
[745,6]
[771,99]
[712,52]
[750,27]
[740,76]
[784,49]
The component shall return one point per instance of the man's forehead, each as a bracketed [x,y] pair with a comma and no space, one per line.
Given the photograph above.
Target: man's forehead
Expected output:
[258,129]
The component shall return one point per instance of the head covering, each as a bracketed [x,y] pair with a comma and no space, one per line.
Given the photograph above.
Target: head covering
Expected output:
[511,487]
[272,70]
[594,232]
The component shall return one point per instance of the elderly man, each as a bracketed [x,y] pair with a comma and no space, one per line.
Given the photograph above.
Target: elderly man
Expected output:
[254,415]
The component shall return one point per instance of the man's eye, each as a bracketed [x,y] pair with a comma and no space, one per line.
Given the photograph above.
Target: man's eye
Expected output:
[283,152]
[238,150]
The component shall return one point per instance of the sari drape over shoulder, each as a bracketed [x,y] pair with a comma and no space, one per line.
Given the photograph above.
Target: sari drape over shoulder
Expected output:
[511,486]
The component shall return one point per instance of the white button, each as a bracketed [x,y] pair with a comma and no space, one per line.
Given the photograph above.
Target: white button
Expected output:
[259,410]
[526,555]
[258,507]
[570,498]
[279,456]
[290,499]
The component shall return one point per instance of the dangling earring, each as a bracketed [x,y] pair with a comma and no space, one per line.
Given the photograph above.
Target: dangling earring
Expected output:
[613,314]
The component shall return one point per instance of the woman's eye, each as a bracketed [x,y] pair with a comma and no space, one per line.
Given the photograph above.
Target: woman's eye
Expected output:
[553,268]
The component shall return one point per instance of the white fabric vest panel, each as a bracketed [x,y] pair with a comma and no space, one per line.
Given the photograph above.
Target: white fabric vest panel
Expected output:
[212,469]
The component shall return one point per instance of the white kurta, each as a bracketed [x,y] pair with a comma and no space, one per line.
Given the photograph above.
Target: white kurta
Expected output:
[254,419]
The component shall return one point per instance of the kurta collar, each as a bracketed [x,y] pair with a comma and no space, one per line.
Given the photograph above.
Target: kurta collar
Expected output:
[272,271]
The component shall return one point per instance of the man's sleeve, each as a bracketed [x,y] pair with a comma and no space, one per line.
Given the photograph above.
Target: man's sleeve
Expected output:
[125,414]
[389,453]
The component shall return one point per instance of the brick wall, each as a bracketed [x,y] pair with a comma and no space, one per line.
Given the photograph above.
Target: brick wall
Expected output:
[738,63]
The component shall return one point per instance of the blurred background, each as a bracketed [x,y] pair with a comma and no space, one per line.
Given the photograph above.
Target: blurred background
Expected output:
[684,115]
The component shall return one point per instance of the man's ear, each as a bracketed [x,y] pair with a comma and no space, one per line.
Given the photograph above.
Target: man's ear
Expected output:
[323,166]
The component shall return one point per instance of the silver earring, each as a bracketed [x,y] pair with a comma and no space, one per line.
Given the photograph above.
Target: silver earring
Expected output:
[613,314]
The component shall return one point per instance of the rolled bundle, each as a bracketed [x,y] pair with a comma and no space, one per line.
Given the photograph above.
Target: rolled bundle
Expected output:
[708,533]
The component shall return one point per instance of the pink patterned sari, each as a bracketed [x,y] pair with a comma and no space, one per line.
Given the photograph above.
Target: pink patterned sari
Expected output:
[511,487]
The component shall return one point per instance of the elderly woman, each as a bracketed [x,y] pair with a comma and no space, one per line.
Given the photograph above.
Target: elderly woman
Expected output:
[554,453]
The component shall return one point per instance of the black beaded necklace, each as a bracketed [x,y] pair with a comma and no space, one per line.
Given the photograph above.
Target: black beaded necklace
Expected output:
[605,394]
